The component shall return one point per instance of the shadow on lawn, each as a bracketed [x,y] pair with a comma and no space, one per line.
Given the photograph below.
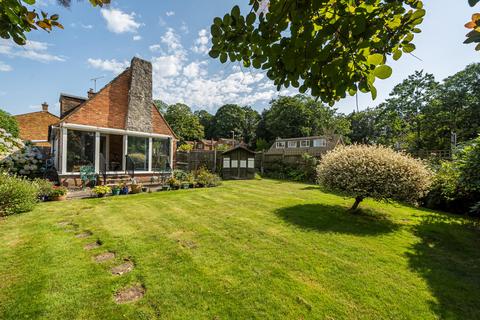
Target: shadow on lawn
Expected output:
[325,218]
[448,258]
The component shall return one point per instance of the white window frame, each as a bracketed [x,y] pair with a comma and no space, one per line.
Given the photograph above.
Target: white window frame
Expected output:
[305,144]
[243,164]
[280,145]
[251,163]
[292,144]
[234,163]
[226,163]
[320,143]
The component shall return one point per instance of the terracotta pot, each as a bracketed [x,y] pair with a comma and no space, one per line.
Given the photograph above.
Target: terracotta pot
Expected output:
[59,198]
[136,188]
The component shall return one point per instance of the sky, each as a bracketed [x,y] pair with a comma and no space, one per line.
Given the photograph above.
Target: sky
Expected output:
[174,36]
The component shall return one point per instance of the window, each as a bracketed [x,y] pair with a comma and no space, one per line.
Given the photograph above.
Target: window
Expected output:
[226,163]
[319,143]
[304,143]
[138,152]
[80,150]
[161,155]
[292,144]
[251,163]
[243,163]
[234,163]
[280,145]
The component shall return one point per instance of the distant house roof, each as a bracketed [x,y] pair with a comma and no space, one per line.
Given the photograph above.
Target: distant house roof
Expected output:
[73,96]
[309,138]
[239,147]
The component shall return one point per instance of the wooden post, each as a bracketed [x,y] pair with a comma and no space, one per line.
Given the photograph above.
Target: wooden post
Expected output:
[214,160]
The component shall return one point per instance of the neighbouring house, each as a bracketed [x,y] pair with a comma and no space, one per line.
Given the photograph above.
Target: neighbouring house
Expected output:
[238,163]
[209,145]
[315,146]
[113,131]
[34,127]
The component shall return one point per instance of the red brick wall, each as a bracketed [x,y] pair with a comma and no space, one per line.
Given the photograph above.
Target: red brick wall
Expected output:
[67,104]
[34,126]
[108,108]
[159,124]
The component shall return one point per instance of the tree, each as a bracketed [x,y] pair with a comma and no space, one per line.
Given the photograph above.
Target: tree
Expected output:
[228,120]
[300,116]
[183,122]
[18,17]
[363,126]
[376,172]
[206,120]
[328,47]
[249,125]
[9,123]
[403,111]
[161,106]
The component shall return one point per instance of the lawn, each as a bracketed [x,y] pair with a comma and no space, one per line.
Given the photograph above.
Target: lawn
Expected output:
[248,249]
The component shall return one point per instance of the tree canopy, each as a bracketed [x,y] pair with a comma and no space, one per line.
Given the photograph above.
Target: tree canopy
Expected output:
[327,47]
[9,123]
[183,122]
[18,17]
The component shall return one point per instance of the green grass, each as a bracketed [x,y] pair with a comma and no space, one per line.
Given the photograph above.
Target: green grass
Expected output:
[248,249]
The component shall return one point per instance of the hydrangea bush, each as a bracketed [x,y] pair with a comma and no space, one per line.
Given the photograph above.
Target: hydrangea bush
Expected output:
[377,172]
[17,157]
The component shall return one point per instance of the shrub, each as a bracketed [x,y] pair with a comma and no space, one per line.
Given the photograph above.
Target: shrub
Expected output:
[45,188]
[58,192]
[185,147]
[456,187]
[17,195]
[206,178]
[377,172]
[180,175]
[8,146]
[173,182]
[9,123]
[102,190]
[304,170]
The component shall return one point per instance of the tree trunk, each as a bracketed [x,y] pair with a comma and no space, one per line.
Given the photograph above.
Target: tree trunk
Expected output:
[355,205]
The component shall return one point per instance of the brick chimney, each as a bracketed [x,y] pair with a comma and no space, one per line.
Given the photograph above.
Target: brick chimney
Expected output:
[45,107]
[139,115]
[90,93]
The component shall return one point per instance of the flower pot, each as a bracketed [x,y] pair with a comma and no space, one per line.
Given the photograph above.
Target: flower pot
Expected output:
[144,189]
[124,190]
[116,192]
[136,188]
[59,198]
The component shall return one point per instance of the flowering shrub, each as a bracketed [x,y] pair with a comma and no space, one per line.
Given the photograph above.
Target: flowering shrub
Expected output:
[8,144]
[17,194]
[102,190]
[372,171]
[45,188]
[206,178]
[58,192]
[185,147]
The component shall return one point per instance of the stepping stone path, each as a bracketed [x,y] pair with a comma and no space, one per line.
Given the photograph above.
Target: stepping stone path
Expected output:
[123,268]
[84,235]
[130,294]
[91,246]
[188,244]
[102,257]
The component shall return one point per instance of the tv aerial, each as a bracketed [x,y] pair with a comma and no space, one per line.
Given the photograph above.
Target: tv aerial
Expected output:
[95,82]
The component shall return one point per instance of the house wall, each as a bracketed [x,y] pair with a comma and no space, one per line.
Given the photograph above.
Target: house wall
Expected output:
[108,108]
[34,126]
[67,104]
[139,117]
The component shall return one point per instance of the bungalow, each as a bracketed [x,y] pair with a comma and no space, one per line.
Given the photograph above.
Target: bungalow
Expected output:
[315,146]
[114,131]
[210,145]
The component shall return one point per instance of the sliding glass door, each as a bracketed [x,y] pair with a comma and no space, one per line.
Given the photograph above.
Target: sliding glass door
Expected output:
[138,151]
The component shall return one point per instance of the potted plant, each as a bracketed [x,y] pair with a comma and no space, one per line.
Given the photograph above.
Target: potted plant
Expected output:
[124,189]
[58,194]
[174,183]
[116,189]
[102,191]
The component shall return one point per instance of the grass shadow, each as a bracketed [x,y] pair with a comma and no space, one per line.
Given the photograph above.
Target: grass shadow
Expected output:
[328,218]
[448,258]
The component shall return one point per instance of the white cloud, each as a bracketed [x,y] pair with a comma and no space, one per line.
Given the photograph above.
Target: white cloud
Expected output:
[87,26]
[5,67]
[162,22]
[170,13]
[119,21]
[111,65]
[137,38]
[176,79]
[155,47]
[201,44]
[33,50]
[184,27]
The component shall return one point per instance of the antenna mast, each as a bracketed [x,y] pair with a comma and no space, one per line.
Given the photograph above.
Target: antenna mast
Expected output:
[95,82]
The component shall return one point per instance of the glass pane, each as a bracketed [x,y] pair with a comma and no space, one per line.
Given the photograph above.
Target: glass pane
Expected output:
[160,155]
[138,152]
[80,150]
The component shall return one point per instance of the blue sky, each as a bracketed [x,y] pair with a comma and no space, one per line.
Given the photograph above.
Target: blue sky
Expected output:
[174,36]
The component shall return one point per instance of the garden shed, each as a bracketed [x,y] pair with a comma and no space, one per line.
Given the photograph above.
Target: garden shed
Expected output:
[238,163]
